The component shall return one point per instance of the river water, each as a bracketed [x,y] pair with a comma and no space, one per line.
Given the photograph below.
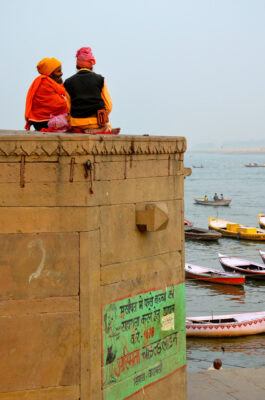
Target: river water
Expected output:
[223,173]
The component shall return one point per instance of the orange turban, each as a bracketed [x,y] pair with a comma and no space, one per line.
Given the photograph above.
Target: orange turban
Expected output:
[47,65]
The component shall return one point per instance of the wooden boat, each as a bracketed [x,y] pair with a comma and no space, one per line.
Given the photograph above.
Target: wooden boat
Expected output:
[193,233]
[254,165]
[187,222]
[226,325]
[236,231]
[250,269]
[212,202]
[262,254]
[261,220]
[213,275]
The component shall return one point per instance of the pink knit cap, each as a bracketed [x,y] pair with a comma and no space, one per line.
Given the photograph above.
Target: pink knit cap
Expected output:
[85,58]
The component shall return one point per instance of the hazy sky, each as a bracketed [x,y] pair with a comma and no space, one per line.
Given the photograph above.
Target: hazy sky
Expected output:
[191,68]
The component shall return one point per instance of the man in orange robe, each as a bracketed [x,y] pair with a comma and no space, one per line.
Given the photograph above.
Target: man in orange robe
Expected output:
[46,95]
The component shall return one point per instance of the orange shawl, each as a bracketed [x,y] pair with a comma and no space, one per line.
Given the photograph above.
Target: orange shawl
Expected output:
[45,98]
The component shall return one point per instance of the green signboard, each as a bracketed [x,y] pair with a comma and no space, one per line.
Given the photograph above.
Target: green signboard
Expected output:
[143,340]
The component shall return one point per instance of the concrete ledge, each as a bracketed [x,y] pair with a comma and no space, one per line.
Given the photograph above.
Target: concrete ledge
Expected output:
[37,143]
[234,384]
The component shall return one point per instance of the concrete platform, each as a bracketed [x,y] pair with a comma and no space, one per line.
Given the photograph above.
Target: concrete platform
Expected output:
[227,384]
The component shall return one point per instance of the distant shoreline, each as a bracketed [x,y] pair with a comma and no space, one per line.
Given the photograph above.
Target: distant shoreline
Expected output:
[229,151]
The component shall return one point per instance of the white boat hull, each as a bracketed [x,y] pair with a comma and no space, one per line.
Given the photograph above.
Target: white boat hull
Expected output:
[247,324]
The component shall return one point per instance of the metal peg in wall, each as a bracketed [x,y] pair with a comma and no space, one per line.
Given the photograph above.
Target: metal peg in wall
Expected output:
[22,171]
[88,171]
[88,167]
[71,179]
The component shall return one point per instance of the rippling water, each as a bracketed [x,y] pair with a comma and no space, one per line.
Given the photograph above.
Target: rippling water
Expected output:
[225,174]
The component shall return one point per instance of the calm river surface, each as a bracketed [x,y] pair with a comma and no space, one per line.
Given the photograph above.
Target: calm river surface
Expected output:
[225,174]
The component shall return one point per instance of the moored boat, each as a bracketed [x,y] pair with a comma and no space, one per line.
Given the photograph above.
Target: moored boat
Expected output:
[254,165]
[203,202]
[194,233]
[187,222]
[226,325]
[235,230]
[213,275]
[250,269]
[261,220]
[262,254]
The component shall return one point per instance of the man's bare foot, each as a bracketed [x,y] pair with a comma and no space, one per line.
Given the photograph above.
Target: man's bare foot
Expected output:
[115,131]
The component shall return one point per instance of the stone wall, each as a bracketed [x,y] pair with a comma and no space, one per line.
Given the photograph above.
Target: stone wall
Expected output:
[80,284]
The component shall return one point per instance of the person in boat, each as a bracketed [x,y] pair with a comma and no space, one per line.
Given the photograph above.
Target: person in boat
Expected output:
[221,196]
[88,98]
[217,365]
[205,197]
[46,95]
[215,197]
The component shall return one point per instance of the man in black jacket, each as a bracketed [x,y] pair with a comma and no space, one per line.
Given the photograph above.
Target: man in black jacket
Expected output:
[88,97]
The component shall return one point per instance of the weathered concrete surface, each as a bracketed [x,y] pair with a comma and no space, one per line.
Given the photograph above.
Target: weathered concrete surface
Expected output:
[227,384]
[70,249]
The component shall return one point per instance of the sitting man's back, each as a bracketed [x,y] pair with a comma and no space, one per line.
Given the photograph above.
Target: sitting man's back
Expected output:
[88,96]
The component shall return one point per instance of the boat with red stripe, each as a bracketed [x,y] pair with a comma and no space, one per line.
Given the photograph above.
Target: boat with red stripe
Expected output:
[226,325]
[213,275]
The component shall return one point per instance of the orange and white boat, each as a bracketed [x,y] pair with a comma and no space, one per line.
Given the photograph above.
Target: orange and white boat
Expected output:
[226,325]
[213,275]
